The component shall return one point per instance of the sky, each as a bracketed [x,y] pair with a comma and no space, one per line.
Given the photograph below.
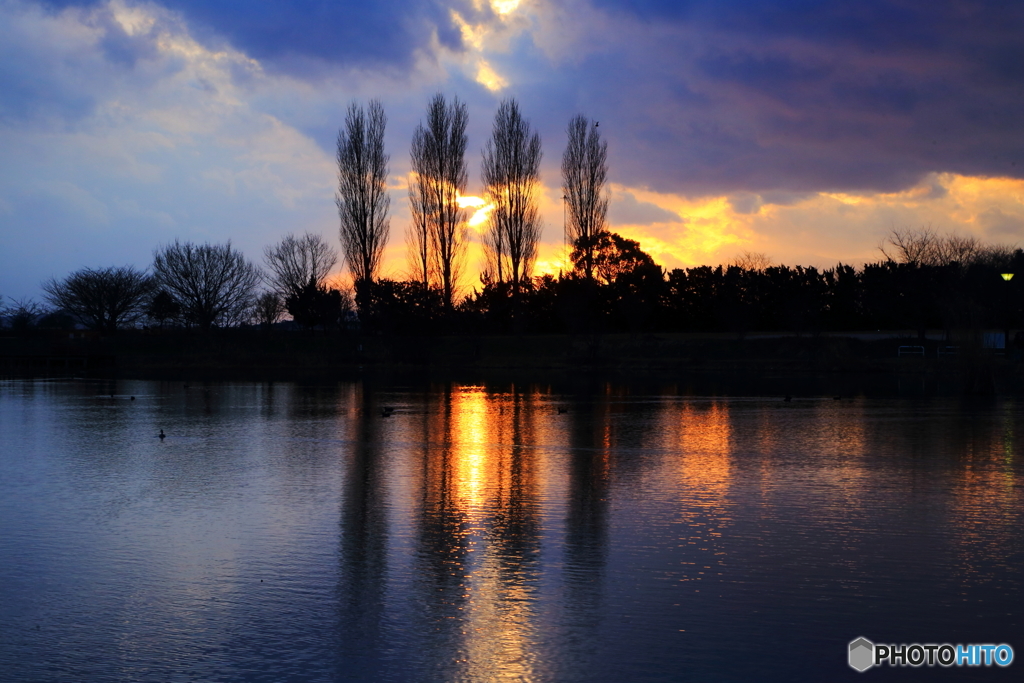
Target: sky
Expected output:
[805,130]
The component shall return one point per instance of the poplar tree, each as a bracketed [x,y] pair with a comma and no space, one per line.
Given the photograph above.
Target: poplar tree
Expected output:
[439,177]
[362,196]
[511,164]
[584,175]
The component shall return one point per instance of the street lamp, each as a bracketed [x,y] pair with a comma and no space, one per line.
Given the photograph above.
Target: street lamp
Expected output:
[1006,316]
[565,238]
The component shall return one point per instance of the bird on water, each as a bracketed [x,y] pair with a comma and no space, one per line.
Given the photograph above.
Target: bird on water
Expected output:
[162,435]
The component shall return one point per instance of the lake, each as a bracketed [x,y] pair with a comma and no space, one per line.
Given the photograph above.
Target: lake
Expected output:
[361,532]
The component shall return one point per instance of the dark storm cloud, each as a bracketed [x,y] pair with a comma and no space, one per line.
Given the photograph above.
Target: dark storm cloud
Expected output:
[381,32]
[807,96]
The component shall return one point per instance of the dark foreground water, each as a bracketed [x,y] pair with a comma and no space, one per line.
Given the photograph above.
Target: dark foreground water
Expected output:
[291,533]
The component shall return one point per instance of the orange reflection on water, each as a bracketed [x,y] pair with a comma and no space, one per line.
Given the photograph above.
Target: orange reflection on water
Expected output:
[703,436]
[487,465]
[469,436]
[987,500]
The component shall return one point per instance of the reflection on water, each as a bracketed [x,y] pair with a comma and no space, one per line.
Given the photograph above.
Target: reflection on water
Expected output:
[481,533]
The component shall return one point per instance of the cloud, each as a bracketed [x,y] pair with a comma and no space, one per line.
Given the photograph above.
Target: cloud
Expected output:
[701,97]
[624,208]
[822,228]
[724,97]
[38,83]
[803,130]
[170,146]
[294,35]
[749,202]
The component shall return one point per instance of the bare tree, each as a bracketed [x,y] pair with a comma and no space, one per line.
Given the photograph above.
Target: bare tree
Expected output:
[925,247]
[267,309]
[214,284]
[439,177]
[102,298]
[909,246]
[753,260]
[23,314]
[995,255]
[511,163]
[962,249]
[298,262]
[584,174]
[362,196]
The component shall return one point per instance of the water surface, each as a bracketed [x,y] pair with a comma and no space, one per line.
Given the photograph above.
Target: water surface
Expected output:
[482,533]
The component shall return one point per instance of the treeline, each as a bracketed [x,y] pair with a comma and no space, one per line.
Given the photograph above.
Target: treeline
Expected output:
[211,286]
[631,293]
[925,280]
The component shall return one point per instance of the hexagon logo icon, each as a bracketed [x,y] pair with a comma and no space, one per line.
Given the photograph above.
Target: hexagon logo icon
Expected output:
[862,654]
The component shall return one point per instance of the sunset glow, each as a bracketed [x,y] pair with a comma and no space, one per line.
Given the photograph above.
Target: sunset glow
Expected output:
[470,202]
[504,6]
[728,341]
[483,209]
[489,78]
[817,229]
[228,114]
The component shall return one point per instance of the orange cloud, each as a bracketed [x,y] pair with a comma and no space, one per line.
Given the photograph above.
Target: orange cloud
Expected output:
[819,229]
[823,228]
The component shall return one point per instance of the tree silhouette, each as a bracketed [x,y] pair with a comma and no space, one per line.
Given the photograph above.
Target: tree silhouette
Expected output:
[268,309]
[22,314]
[102,298]
[214,283]
[752,260]
[611,255]
[163,307]
[439,177]
[584,173]
[362,196]
[314,306]
[511,163]
[295,262]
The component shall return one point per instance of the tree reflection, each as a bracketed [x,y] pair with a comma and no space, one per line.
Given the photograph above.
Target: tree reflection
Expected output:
[442,542]
[364,546]
[586,525]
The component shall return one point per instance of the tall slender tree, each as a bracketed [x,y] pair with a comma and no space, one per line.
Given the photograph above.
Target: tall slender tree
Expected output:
[439,177]
[362,196]
[584,175]
[511,163]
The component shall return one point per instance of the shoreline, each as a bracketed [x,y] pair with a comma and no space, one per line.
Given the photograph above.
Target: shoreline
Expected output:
[836,363]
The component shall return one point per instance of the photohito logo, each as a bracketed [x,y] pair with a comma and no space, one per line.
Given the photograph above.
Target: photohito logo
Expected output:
[863,654]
